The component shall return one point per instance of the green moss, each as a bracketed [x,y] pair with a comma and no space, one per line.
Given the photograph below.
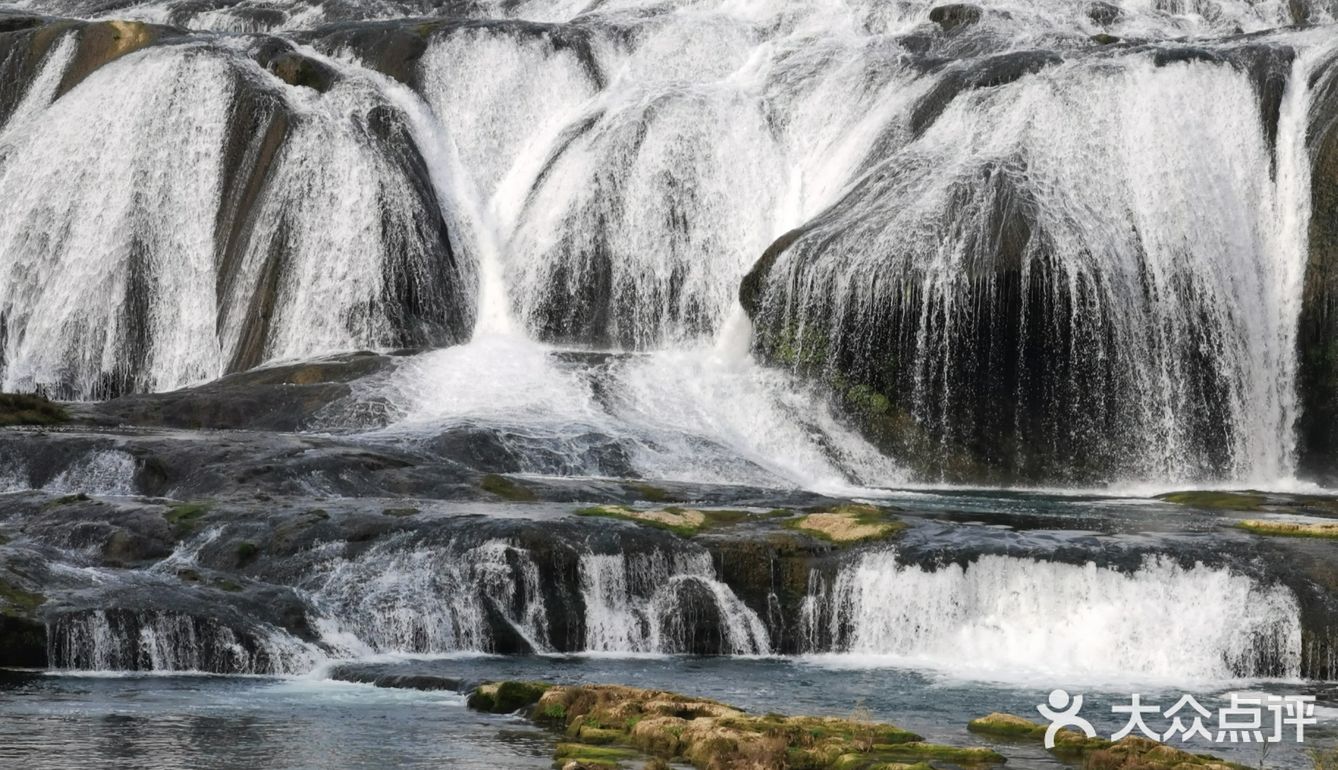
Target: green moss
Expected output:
[1325,531]
[1104,39]
[27,409]
[606,721]
[1222,501]
[247,552]
[400,512]
[600,735]
[69,500]
[592,756]
[555,712]
[5,539]
[1132,753]
[505,488]
[506,697]
[916,752]
[231,586]
[1006,726]
[847,524]
[24,602]
[184,517]
[319,513]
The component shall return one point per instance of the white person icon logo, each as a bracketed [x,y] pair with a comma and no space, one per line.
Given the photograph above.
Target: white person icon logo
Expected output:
[1063,712]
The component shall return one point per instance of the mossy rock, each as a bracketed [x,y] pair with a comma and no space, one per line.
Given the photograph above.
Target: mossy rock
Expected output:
[78,497]
[28,409]
[1131,753]
[1221,501]
[1322,530]
[506,488]
[400,512]
[1006,726]
[506,697]
[711,734]
[684,522]
[185,517]
[848,524]
[585,755]
[19,601]
[247,552]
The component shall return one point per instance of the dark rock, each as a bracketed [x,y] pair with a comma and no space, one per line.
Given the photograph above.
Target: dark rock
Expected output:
[1104,14]
[281,398]
[1317,331]
[987,72]
[296,69]
[25,409]
[950,17]
[1104,39]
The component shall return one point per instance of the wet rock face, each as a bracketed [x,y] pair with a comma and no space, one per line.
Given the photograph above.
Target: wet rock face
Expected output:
[1317,333]
[950,17]
[1104,14]
[272,104]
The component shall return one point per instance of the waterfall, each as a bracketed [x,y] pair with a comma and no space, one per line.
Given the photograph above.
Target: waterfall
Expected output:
[1003,252]
[665,603]
[157,640]
[409,597]
[1008,616]
[105,277]
[101,472]
[1071,244]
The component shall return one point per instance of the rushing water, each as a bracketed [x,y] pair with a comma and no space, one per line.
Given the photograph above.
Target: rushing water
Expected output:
[608,181]
[796,246]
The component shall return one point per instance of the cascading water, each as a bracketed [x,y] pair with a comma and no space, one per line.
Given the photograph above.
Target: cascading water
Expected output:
[1007,617]
[664,603]
[416,598]
[153,640]
[1031,223]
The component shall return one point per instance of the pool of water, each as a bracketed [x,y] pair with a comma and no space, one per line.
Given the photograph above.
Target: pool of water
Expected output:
[58,721]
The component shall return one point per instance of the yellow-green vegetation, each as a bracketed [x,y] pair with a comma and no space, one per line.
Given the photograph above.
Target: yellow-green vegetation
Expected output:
[19,600]
[1131,753]
[185,517]
[1221,501]
[684,522]
[609,725]
[1291,528]
[505,488]
[1325,760]
[506,697]
[848,524]
[27,409]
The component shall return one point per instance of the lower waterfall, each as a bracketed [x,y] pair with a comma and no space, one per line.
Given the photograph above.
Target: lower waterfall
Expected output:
[664,603]
[1005,616]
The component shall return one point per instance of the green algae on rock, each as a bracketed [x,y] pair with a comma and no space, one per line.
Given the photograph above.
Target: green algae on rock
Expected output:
[1324,530]
[607,725]
[1131,753]
[848,524]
